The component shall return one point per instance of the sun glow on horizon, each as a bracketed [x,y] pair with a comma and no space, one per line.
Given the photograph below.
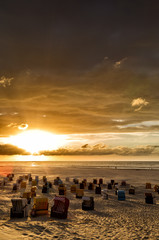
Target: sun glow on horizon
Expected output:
[34,141]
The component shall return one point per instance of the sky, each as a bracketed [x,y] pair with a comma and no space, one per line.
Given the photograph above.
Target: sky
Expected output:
[86,69]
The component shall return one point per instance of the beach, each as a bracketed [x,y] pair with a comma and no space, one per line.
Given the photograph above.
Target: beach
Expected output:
[110,219]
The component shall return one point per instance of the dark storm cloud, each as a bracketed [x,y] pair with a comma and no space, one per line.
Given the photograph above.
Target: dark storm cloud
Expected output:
[73,34]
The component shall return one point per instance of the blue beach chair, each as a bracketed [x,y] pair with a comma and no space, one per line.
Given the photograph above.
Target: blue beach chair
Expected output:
[121,195]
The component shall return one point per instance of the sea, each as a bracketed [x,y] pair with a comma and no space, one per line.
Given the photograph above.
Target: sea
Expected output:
[95,161]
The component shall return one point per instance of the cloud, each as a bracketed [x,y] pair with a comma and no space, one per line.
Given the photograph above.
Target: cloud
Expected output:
[101,149]
[118,63]
[139,103]
[140,125]
[4,82]
[85,146]
[118,120]
[8,149]
[12,125]
[23,126]
[91,99]
[86,149]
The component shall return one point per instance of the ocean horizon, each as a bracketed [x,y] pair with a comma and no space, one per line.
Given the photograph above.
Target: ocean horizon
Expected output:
[95,161]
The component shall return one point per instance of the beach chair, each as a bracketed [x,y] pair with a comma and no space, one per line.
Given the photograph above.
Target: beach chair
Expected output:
[27,195]
[76,181]
[109,186]
[116,190]
[33,191]
[50,184]
[149,199]
[101,181]
[19,208]
[15,187]
[34,183]
[62,189]
[73,189]
[121,195]
[79,193]
[23,185]
[19,180]
[98,190]
[148,185]
[30,179]
[88,203]
[91,186]
[67,179]
[2,183]
[82,185]
[44,179]
[45,189]
[10,177]
[132,190]
[6,180]
[123,183]
[104,193]
[112,182]
[84,182]
[60,207]
[156,188]
[40,207]
[26,177]
[95,181]
[57,181]
[37,179]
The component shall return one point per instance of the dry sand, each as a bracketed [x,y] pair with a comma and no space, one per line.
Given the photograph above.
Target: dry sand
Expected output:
[111,219]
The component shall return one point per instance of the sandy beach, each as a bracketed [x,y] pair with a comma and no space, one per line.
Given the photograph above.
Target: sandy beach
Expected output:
[111,219]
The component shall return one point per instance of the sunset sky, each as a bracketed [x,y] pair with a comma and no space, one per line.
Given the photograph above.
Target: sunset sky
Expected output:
[87,70]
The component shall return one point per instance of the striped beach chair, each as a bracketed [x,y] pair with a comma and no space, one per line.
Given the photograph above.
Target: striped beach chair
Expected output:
[60,207]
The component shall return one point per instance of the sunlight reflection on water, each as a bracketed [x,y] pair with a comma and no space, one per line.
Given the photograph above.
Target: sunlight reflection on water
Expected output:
[31,158]
[33,164]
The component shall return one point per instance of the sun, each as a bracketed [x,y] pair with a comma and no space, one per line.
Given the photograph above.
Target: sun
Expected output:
[34,141]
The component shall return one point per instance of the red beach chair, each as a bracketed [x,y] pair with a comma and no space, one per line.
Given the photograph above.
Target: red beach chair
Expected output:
[60,207]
